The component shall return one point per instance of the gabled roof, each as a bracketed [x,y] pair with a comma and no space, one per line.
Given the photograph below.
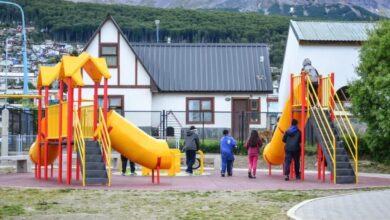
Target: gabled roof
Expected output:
[207,67]
[110,18]
[331,31]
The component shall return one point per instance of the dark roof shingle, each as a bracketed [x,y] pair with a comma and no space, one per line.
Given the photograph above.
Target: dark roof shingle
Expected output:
[207,67]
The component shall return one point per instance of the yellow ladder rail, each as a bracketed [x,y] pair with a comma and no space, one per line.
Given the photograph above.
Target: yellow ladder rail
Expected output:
[351,134]
[79,143]
[103,138]
[323,122]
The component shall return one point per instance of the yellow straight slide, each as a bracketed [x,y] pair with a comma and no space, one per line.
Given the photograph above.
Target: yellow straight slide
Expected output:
[274,151]
[135,144]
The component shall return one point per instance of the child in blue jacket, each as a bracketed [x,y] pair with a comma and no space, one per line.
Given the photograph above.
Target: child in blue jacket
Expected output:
[227,144]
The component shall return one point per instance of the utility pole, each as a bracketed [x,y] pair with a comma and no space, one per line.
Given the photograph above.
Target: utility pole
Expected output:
[6,65]
[157,22]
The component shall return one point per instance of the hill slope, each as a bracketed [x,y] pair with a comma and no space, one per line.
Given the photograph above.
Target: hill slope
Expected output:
[314,8]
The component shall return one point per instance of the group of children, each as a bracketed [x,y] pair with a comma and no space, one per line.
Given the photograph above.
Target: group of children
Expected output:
[227,145]
[253,145]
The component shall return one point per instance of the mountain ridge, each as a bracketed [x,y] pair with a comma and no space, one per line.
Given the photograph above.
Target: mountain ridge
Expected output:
[377,7]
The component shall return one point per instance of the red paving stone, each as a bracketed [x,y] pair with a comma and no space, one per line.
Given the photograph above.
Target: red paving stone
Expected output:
[212,182]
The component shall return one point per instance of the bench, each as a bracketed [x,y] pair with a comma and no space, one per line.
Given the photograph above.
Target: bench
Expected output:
[22,162]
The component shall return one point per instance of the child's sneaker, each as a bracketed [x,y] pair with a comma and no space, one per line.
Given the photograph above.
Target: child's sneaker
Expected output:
[222,175]
[133,174]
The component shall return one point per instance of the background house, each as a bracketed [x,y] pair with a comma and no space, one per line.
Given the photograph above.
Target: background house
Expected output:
[212,86]
[331,46]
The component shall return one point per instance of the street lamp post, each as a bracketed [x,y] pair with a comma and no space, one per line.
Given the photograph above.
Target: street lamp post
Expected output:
[24,47]
[157,22]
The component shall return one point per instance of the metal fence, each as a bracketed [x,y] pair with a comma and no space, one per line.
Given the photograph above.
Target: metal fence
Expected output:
[169,125]
[174,124]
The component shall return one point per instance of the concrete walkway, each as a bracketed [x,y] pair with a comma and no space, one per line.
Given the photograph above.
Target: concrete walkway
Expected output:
[356,206]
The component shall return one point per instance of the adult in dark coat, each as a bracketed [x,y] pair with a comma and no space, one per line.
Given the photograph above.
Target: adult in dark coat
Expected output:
[292,138]
[191,145]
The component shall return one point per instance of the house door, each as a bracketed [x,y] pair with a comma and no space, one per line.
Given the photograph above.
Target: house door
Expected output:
[240,122]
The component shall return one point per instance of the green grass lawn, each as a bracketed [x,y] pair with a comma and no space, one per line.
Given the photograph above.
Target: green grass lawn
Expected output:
[136,204]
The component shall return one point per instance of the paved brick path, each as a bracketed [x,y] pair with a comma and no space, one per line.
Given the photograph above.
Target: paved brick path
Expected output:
[239,182]
[356,206]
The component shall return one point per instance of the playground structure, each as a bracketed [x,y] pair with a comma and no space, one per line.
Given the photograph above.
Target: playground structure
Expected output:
[336,138]
[93,132]
[90,131]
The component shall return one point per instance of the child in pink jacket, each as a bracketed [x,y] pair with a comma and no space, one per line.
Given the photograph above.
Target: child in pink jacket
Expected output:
[253,146]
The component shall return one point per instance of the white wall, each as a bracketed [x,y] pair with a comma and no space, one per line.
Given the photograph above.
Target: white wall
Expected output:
[127,64]
[222,117]
[109,33]
[340,59]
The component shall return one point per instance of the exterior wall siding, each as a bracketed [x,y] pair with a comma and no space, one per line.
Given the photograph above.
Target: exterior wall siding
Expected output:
[127,64]
[222,108]
[109,33]
[340,59]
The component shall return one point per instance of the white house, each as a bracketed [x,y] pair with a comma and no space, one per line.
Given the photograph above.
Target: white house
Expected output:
[206,85]
[331,46]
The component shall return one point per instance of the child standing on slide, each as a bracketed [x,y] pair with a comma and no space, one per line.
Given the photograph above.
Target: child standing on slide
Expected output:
[253,146]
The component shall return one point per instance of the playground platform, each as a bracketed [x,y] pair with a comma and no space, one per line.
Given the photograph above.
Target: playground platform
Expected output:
[211,182]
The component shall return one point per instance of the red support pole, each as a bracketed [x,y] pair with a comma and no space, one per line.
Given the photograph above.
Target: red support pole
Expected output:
[323,166]
[303,117]
[39,133]
[292,169]
[79,115]
[69,133]
[158,169]
[332,95]
[105,98]
[95,105]
[60,133]
[46,153]
[319,162]
[152,175]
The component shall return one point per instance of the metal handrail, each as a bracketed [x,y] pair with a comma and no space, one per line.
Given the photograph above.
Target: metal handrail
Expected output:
[349,135]
[323,122]
[104,142]
[79,143]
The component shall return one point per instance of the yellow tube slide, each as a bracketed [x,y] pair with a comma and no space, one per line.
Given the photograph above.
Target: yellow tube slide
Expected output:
[52,153]
[52,149]
[135,144]
[274,151]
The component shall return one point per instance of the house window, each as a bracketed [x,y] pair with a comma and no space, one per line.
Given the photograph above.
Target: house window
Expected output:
[110,52]
[254,108]
[114,103]
[200,110]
